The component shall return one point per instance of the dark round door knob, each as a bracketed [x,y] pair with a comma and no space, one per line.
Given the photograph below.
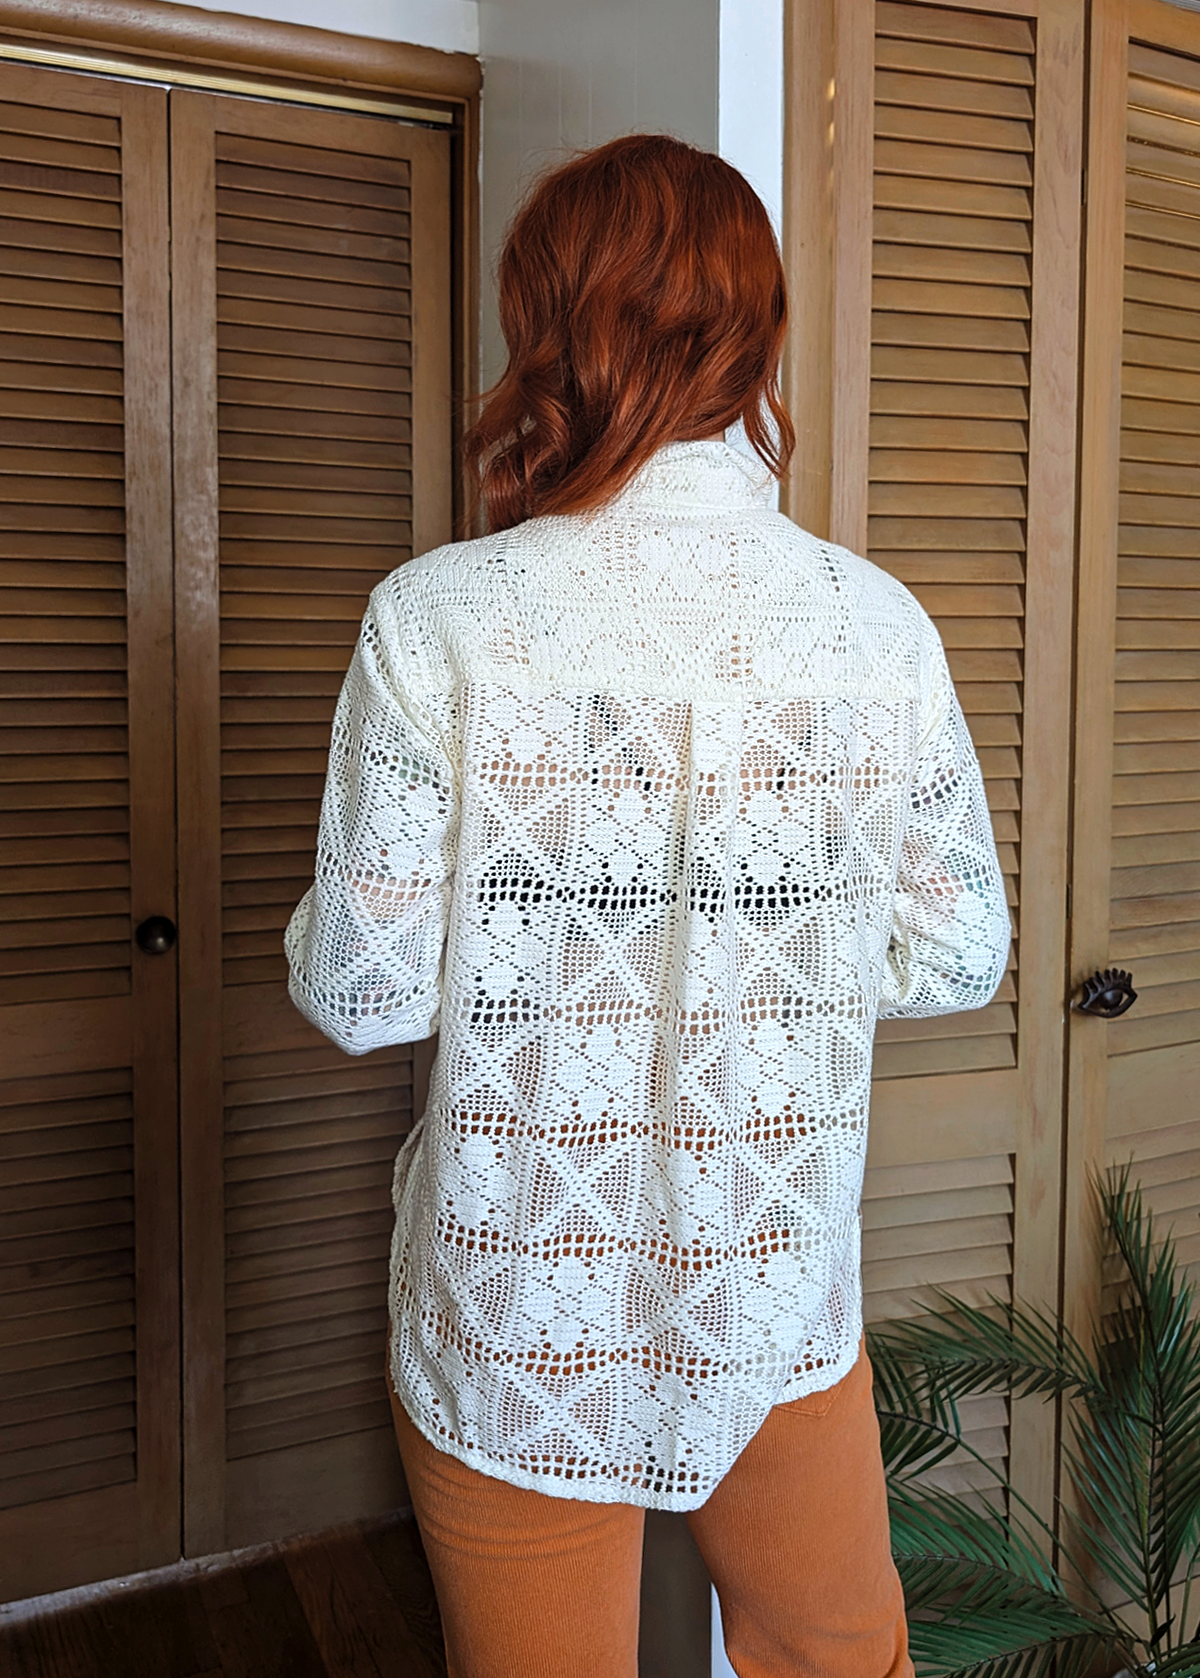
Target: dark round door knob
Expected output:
[1107,993]
[156,935]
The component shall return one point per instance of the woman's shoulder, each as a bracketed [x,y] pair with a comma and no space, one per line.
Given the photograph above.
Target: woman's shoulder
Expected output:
[464,570]
[850,579]
[473,557]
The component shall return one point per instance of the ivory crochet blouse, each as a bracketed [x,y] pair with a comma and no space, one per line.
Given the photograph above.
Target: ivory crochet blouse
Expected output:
[650,813]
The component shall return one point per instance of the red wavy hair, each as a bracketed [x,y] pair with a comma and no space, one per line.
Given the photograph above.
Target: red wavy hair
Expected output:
[642,300]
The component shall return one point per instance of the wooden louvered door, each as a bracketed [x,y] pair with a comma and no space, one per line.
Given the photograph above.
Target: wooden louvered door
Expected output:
[951,363]
[88,1274]
[1137,822]
[312,376]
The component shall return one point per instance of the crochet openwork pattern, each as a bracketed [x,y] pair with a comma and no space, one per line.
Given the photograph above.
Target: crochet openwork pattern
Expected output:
[651,813]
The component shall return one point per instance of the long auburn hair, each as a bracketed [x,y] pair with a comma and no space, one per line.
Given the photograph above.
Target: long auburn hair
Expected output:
[643,301]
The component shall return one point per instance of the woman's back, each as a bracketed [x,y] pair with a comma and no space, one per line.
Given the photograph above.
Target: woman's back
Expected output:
[652,812]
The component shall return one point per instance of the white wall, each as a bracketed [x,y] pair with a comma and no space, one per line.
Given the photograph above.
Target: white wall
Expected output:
[750,96]
[448,25]
[750,136]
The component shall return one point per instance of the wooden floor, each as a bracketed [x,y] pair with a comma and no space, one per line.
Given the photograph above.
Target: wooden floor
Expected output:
[353,1602]
[356,1602]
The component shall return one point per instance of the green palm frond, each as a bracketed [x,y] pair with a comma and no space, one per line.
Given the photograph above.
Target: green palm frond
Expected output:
[1183,1663]
[918,1421]
[993,1348]
[983,1601]
[935,1525]
[981,1598]
[1016,1641]
[1110,1470]
[1150,1367]
[915,1442]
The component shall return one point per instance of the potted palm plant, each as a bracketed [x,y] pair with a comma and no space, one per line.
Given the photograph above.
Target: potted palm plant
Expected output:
[984,1600]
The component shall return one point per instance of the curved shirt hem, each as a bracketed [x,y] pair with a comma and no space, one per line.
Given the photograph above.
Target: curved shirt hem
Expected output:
[601,1491]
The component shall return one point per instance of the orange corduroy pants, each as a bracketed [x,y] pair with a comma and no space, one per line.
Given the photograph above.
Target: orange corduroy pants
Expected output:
[795,1538]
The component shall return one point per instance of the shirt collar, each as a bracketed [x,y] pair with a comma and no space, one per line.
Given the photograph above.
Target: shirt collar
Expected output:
[711,474]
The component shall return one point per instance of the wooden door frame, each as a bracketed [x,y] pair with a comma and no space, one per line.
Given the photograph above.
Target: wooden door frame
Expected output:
[829,44]
[1099,464]
[165,34]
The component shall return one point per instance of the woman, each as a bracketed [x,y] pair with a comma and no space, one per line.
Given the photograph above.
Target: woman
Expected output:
[652,803]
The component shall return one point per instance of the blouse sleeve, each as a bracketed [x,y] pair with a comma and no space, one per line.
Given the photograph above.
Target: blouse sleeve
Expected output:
[950,931]
[365,944]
